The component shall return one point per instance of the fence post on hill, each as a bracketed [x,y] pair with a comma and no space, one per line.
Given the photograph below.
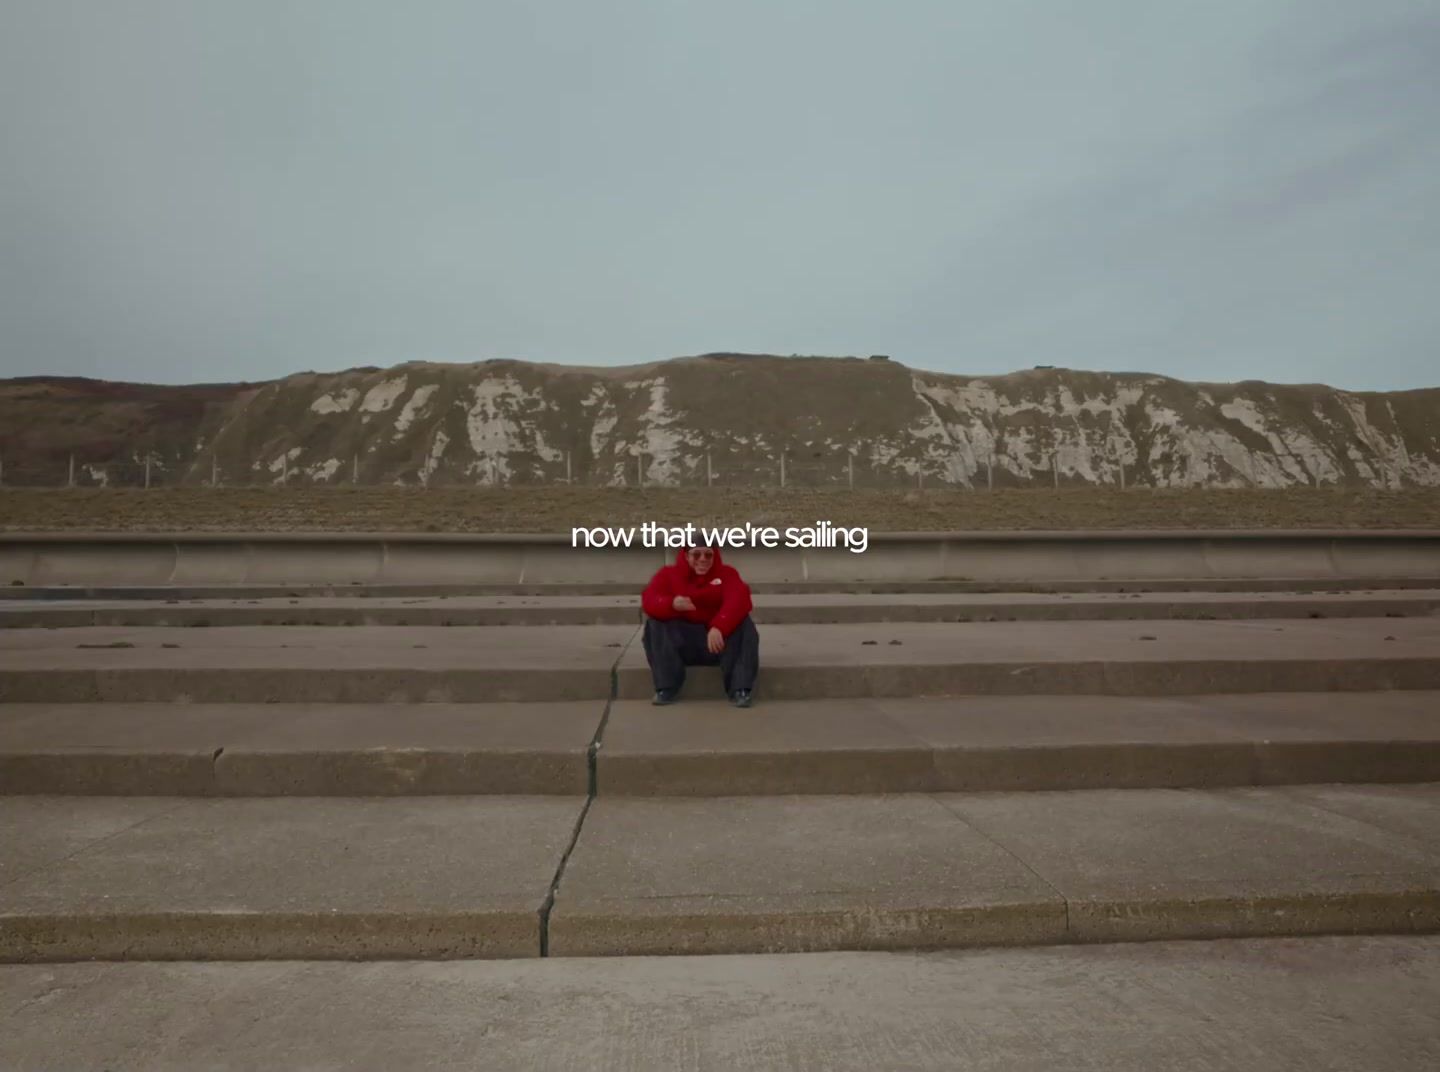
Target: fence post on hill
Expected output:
[709,471]
[1122,476]
[850,468]
[355,469]
[640,469]
[990,474]
[782,468]
[147,472]
[1055,467]
[567,468]
[214,471]
[71,482]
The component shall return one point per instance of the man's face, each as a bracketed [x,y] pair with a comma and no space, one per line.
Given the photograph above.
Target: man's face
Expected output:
[700,559]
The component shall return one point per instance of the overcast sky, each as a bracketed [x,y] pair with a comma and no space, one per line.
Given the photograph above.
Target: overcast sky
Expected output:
[205,190]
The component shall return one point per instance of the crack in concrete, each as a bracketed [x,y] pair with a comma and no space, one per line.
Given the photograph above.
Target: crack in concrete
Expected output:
[44,997]
[1064,901]
[96,843]
[592,762]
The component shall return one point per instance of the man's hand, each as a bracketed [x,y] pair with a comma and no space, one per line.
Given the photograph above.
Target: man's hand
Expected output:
[682,603]
[714,641]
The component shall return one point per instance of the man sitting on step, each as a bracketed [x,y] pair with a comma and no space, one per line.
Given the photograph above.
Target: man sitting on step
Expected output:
[697,613]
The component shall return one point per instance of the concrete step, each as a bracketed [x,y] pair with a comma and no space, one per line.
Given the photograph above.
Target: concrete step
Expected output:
[971,743]
[819,607]
[144,878]
[796,874]
[399,664]
[1111,658]
[309,664]
[707,748]
[1359,582]
[141,878]
[298,749]
[1332,1004]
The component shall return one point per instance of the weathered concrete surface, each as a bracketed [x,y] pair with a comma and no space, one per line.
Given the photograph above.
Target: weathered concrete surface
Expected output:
[708,748]
[297,749]
[396,664]
[309,664]
[626,589]
[1283,1005]
[123,749]
[309,558]
[41,831]
[371,558]
[818,607]
[473,748]
[757,874]
[970,743]
[275,879]
[902,659]
[791,874]
[1146,864]
[492,610]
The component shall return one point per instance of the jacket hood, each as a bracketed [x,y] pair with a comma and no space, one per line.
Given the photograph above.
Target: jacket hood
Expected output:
[683,563]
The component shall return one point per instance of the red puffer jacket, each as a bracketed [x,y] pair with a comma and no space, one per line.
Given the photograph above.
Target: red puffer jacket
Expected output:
[721,598]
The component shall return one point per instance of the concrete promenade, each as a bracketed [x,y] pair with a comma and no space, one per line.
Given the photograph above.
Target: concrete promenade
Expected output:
[1134,748]
[974,823]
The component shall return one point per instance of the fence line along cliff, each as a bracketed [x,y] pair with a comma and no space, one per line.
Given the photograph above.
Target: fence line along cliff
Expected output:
[728,419]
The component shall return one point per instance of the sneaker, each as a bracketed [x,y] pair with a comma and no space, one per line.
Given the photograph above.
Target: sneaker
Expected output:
[664,696]
[740,698]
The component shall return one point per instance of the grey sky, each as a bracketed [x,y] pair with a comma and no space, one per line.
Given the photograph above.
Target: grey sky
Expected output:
[198,190]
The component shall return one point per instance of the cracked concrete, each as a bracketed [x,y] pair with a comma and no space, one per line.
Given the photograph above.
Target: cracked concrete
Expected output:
[281,878]
[769,874]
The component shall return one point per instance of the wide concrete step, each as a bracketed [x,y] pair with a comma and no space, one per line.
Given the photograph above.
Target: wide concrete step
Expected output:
[146,878]
[818,607]
[309,664]
[298,749]
[1111,658]
[707,748]
[364,878]
[1331,1004]
[1359,582]
[972,743]
[794,873]
[400,664]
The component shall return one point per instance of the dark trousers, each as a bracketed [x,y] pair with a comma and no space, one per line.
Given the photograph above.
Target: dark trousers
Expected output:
[672,646]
